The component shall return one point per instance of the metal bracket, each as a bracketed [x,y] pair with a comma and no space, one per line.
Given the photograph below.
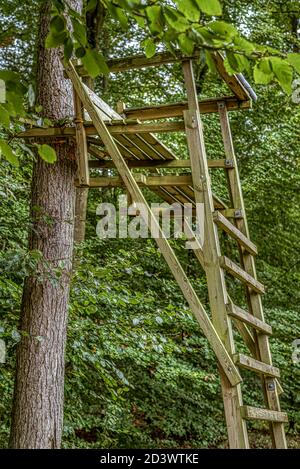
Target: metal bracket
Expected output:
[271,386]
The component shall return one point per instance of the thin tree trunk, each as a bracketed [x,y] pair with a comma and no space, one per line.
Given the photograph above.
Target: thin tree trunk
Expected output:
[37,416]
[94,21]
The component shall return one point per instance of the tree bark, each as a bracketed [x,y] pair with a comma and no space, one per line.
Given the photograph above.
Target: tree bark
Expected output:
[37,415]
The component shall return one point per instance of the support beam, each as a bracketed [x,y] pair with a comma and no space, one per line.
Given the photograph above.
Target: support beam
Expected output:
[231,80]
[81,143]
[136,62]
[148,181]
[226,363]
[170,164]
[164,111]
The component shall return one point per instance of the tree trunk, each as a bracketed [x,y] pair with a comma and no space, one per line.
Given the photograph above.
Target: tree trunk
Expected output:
[37,415]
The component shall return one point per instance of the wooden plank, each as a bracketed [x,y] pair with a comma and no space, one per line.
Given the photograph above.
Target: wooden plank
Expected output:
[249,319]
[164,111]
[55,132]
[256,413]
[148,164]
[255,365]
[209,330]
[81,143]
[96,152]
[149,150]
[270,389]
[148,181]
[168,180]
[137,62]
[124,129]
[232,397]
[235,233]
[232,80]
[107,113]
[155,127]
[219,203]
[130,147]
[237,272]
[162,150]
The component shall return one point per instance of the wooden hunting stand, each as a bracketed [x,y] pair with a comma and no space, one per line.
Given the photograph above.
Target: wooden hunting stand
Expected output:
[123,141]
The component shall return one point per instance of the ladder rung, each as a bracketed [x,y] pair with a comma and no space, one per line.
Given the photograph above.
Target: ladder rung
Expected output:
[242,315]
[256,413]
[234,232]
[240,274]
[255,365]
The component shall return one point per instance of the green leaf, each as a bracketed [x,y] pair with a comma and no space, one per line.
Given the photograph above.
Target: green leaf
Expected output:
[155,17]
[283,73]
[57,24]
[211,63]
[186,44]
[175,20]
[140,21]
[244,45]
[210,7]
[55,40]
[80,52]
[59,5]
[94,63]
[150,47]
[4,116]
[68,49]
[47,153]
[121,17]
[91,5]
[225,30]
[16,101]
[7,75]
[79,32]
[6,150]
[235,63]
[263,73]
[189,8]
[294,60]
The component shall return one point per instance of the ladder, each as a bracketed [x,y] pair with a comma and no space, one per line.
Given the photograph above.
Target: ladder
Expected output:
[218,330]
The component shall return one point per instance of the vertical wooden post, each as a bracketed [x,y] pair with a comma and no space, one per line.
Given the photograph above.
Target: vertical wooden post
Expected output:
[247,261]
[82,170]
[232,397]
[81,143]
